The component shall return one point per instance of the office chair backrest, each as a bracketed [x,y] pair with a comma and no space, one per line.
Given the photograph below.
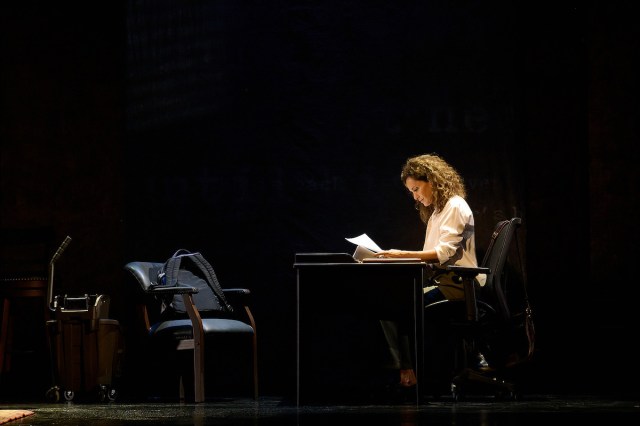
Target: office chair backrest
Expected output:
[509,339]
[143,271]
[495,257]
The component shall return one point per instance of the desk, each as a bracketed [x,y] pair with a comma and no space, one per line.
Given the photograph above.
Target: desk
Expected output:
[332,297]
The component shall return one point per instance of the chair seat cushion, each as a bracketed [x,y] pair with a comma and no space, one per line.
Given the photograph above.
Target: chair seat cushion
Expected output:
[182,328]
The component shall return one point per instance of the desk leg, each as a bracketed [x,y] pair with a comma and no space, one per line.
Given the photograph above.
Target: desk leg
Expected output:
[297,338]
[419,349]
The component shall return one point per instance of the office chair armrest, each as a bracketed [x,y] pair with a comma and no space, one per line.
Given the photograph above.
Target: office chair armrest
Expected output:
[236,291]
[172,290]
[237,295]
[468,272]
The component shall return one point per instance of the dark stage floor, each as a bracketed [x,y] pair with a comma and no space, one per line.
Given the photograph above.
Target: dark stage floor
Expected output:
[532,410]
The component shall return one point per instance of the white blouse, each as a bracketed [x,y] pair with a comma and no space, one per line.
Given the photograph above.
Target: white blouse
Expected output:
[451,232]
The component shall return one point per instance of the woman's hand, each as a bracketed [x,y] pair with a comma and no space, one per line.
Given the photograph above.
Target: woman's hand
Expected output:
[392,253]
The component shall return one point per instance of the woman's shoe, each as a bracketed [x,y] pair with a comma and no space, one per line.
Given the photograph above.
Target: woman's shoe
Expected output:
[482,365]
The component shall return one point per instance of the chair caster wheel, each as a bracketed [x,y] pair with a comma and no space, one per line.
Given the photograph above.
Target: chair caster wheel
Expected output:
[106,394]
[53,394]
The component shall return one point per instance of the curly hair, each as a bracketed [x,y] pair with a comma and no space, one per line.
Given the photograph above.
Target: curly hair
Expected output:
[445,181]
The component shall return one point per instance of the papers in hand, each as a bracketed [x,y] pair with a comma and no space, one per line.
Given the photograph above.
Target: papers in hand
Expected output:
[366,242]
[366,247]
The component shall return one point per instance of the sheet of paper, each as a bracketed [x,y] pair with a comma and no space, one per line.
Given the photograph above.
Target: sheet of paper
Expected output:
[362,253]
[364,241]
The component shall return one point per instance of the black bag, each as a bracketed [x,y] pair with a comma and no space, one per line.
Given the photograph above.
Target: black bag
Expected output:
[192,270]
[512,344]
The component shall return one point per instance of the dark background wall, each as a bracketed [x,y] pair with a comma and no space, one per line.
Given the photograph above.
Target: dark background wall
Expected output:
[250,131]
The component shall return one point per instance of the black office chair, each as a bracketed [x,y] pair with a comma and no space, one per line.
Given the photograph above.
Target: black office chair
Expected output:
[177,334]
[494,320]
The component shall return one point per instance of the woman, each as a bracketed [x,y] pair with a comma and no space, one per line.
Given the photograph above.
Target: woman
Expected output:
[439,193]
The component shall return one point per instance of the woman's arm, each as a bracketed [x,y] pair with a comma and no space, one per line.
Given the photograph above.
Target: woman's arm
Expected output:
[427,255]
